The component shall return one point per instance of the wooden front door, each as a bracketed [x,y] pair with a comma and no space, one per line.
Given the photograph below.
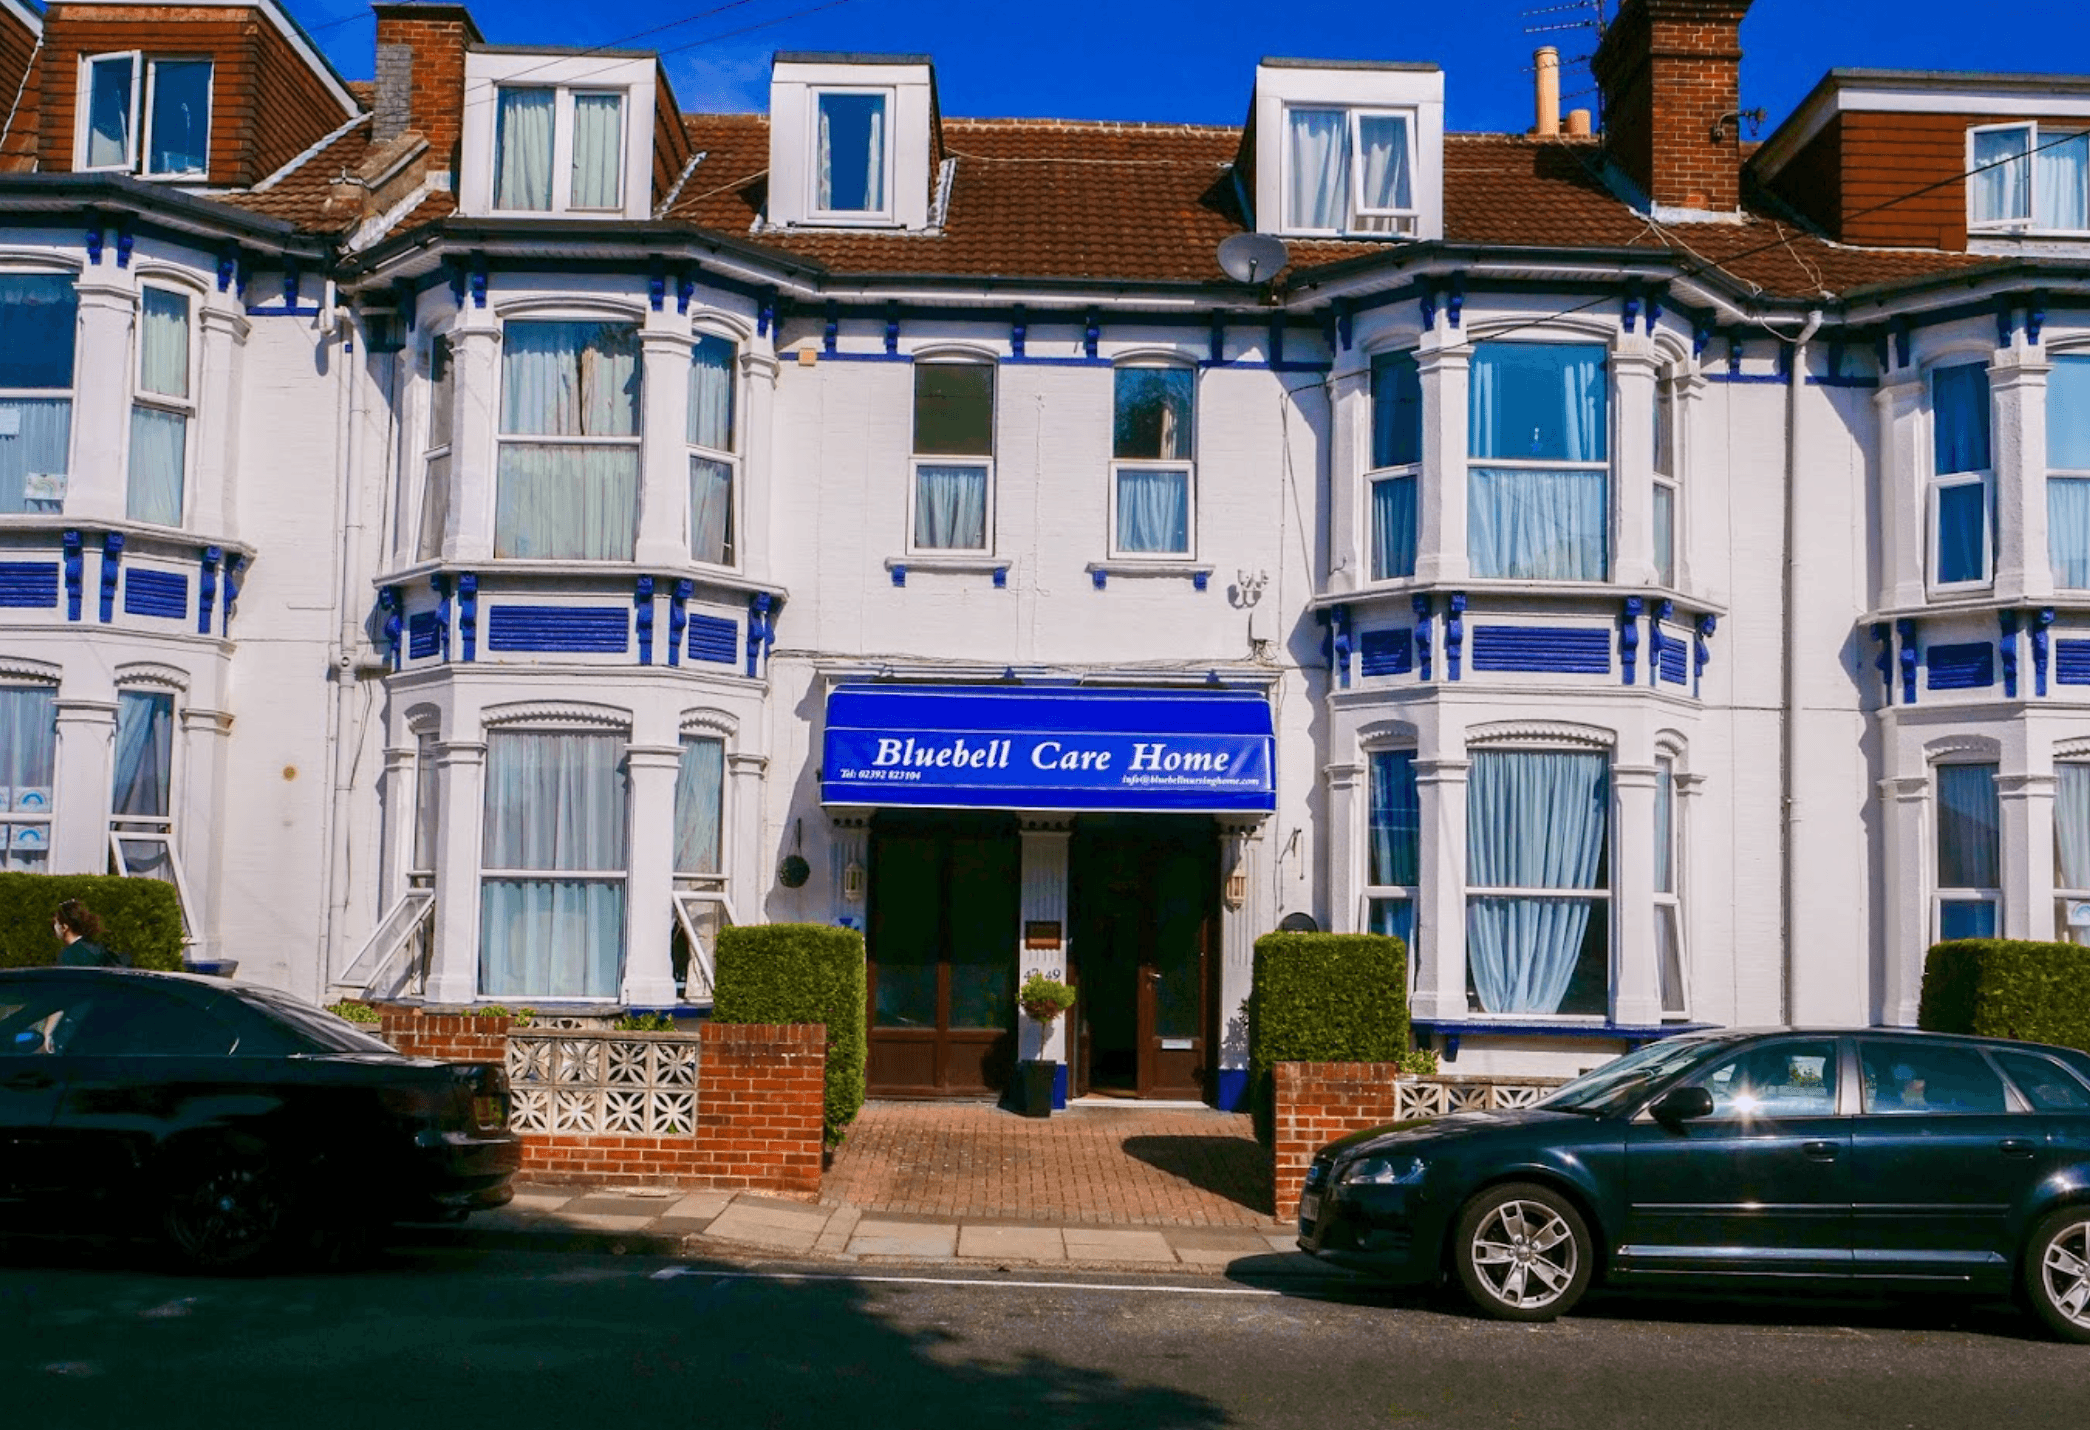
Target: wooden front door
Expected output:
[943,908]
[1145,924]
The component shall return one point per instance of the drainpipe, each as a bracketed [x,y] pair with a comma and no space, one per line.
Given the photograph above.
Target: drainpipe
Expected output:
[348,523]
[1788,751]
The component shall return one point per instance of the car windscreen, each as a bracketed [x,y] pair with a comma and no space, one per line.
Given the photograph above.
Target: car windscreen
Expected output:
[313,1030]
[1620,1083]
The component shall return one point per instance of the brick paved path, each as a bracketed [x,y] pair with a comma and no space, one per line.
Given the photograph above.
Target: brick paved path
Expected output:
[1082,1165]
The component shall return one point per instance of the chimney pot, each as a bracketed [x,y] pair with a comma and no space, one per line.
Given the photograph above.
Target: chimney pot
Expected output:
[1578,124]
[1547,64]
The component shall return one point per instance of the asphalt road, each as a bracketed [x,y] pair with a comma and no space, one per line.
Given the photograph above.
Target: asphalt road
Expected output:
[432,1337]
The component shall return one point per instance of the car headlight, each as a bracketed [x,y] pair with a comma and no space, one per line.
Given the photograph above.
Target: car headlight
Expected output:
[1384,1172]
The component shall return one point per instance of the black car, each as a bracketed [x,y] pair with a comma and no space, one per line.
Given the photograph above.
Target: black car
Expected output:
[234,1119]
[1833,1159]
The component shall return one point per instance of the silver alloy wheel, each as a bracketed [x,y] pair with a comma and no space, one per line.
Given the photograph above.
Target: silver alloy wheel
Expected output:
[1525,1254]
[2065,1276]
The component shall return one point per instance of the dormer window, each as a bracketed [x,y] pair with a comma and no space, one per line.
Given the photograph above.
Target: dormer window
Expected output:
[169,98]
[1349,171]
[2028,178]
[558,149]
[850,164]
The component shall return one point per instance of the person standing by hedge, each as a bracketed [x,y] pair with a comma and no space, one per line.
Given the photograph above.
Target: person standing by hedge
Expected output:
[79,932]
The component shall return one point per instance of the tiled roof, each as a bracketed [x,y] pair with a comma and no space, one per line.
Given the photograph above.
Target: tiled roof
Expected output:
[300,196]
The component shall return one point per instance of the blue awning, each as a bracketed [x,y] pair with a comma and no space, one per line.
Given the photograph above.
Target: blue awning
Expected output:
[1016,747]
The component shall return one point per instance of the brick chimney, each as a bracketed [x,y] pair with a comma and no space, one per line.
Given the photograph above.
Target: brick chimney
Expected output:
[1670,72]
[420,75]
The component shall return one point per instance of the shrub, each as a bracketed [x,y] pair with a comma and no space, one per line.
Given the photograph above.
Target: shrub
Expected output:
[1322,998]
[801,973]
[141,918]
[355,1011]
[645,1023]
[2009,988]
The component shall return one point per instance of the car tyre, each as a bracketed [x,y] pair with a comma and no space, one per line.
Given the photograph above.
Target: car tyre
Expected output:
[225,1211]
[1522,1253]
[2056,1271]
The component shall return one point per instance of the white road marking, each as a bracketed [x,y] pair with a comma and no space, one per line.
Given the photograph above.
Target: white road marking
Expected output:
[670,1273]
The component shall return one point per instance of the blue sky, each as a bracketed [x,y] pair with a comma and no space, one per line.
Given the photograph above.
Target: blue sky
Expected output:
[1193,60]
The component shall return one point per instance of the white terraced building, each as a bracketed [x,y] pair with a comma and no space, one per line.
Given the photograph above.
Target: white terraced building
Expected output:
[481,530]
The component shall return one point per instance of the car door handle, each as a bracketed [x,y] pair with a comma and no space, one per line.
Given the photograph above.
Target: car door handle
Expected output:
[1819,1151]
[2017,1146]
[28,1082]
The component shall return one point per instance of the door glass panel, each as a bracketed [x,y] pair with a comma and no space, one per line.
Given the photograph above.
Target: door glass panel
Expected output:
[982,892]
[1182,890]
[905,936]
[1782,1080]
[1916,1078]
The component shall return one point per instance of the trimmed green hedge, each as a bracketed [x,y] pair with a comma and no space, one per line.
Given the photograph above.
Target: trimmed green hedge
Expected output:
[140,917]
[801,973]
[1324,997]
[2009,988]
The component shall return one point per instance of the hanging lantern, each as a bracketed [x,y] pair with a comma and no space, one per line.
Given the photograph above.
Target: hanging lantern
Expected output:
[853,882]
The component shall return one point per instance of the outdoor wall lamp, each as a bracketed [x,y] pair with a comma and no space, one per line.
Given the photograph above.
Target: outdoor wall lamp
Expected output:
[1236,891]
[853,882]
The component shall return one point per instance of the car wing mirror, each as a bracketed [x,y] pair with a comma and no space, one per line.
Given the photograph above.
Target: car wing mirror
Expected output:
[1682,1104]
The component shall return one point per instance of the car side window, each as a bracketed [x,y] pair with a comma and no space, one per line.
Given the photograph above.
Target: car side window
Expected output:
[1796,1079]
[137,1022]
[2046,1085]
[40,1022]
[1915,1078]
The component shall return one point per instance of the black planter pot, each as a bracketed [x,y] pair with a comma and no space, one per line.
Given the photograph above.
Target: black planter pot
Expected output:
[1036,1079]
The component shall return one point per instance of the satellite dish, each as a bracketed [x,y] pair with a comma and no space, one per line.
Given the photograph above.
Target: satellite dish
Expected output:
[1253,257]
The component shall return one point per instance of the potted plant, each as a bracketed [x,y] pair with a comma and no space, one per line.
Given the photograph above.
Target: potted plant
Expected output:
[1044,999]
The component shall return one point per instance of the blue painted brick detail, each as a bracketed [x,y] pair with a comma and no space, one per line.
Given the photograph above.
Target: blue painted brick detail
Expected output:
[1962,667]
[595,629]
[155,593]
[2072,662]
[28,583]
[424,635]
[1674,665]
[1542,648]
[1386,652]
[714,638]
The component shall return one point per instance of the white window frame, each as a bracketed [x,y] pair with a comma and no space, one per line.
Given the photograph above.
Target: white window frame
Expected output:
[441,354]
[2064,895]
[69,394]
[562,148]
[918,460]
[40,819]
[1941,895]
[1357,217]
[1374,475]
[1609,466]
[2080,354]
[1669,903]
[2035,135]
[182,407]
[1186,465]
[816,214]
[636,442]
[125,829]
[144,81]
[730,456]
[1941,482]
[1375,894]
[1668,476]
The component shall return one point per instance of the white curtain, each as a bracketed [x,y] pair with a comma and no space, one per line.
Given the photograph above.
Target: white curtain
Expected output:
[435,508]
[36,439]
[598,151]
[1153,511]
[143,788]
[2068,531]
[851,122]
[427,804]
[1534,820]
[700,786]
[523,149]
[1317,168]
[1393,528]
[1382,140]
[566,503]
[825,181]
[2072,827]
[2068,415]
[1543,402]
[159,448]
[1969,828]
[950,507]
[1536,525]
[1665,827]
[1665,534]
[109,114]
[711,364]
[28,740]
[2003,175]
[2063,188]
[570,379]
[711,511]
[163,344]
[1396,820]
[874,159]
[555,803]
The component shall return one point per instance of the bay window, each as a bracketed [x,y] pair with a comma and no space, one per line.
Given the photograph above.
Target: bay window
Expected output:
[435,461]
[1669,923]
[558,149]
[953,493]
[852,153]
[28,757]
[161,410]
[1393,852]
[1969,852]
[1349,171]
[141,805]
[2068,471]
[551,921]
[38,326]
[1396,463]
[2072,851]
[1538,882]
[1961,542]
[1154,493]
[713,467]
[2028,178]
[1538,476]
[172,97]
[568,478]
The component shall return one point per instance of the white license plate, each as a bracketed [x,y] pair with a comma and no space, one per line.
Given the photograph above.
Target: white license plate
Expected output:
[1310,1207]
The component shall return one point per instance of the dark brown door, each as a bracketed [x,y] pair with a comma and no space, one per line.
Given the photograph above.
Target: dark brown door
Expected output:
[943,931]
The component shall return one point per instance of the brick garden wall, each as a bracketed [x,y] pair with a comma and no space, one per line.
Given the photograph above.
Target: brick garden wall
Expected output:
[761,1093]
[1315,1104]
